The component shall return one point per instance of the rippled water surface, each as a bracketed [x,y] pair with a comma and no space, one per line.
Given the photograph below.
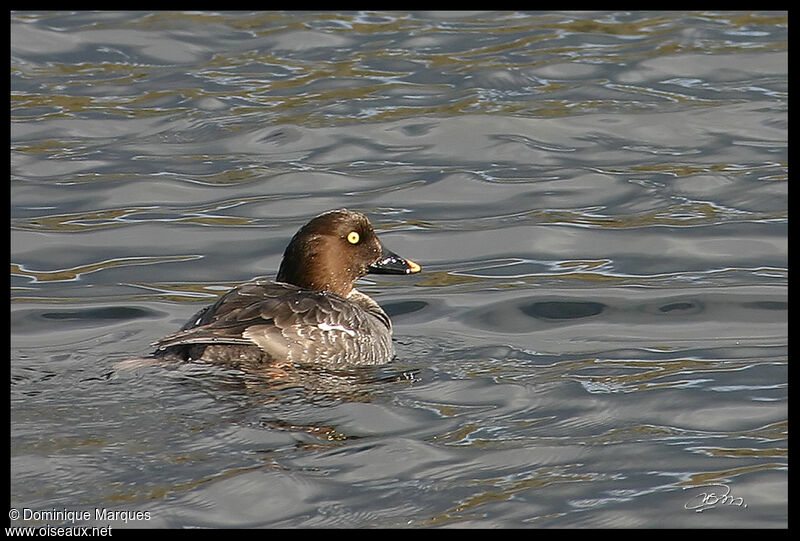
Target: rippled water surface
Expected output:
[599,203]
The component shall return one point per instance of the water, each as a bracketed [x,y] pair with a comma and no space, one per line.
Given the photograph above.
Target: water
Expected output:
[599,336]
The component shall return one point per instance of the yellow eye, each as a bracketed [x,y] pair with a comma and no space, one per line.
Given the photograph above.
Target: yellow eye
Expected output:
[353,237]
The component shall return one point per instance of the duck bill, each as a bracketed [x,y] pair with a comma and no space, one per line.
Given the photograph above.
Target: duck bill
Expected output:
[391,263]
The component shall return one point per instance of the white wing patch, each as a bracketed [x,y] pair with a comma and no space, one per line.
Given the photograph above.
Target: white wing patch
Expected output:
[326,327]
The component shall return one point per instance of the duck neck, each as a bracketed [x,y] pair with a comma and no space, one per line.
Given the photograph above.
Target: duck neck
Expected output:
[315,271]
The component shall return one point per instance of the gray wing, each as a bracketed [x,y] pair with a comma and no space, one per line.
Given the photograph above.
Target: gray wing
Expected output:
[290,323]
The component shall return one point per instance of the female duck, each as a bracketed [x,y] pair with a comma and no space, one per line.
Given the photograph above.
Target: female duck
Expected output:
[311,314]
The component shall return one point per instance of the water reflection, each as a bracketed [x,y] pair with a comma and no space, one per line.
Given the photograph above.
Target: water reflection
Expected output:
[266,384]
[599,200]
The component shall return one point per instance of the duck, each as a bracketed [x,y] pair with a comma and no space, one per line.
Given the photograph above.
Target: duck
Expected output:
[311,314]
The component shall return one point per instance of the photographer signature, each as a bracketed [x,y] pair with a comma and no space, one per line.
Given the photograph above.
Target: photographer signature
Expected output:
[706,500]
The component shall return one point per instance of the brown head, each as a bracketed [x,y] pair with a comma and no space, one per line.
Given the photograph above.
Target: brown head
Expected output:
[334,250]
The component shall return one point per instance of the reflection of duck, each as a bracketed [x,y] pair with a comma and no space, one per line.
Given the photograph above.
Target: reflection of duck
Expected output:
[311,314]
